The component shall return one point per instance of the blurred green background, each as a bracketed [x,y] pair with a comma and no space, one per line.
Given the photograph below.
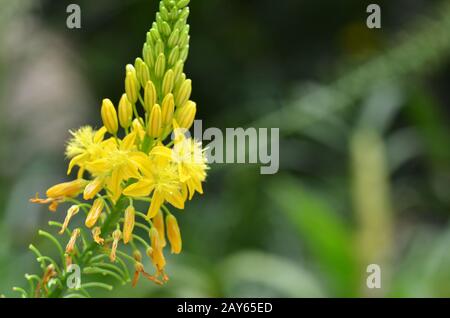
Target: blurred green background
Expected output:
[364,152]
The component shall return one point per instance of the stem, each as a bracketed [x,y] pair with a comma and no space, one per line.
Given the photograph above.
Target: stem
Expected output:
[86,256]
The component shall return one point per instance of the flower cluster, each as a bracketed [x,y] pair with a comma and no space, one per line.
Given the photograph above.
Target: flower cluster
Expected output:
[132,157]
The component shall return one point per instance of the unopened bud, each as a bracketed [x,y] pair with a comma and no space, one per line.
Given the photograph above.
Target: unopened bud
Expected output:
[155,123]
[131,84]
[94,212]
[160,65]
[125,112]
[128,224]
[185,115]
[168,82]
[109,116]
[150,96]
[184,93]
[167,109]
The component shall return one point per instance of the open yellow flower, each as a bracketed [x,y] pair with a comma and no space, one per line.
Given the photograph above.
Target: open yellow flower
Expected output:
[85,145]
[159,177]
[118,165]
[191,161]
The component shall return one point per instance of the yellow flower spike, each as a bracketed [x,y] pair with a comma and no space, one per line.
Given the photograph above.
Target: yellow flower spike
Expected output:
[185,115]
[128,224]
[158,223]
[125,112]
[142,71]
[73,238]
[184,93]
[93,187]
[96,231]
[109,116]
[117,235]
[94,212]
[160,65]
[168,82]
[167,109]
[154,128]
[131,84]
[150,96]
[66,189]
[74,209]
[173,233]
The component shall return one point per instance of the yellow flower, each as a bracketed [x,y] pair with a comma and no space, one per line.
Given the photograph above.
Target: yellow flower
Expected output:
[159,177]
[119,164]
[191,161]
[84,146]
[59,192]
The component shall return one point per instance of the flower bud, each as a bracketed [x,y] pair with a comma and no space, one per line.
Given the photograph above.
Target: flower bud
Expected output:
[182,3]
[168,82]
[167,109]
[177,70]
[94,212]
[128,224]
[109,116]
[185,115]
[158,223]
[160,65]
[184,53]
[131,84]
[93,188]
[165,28]
[174,55]
[159,48]
[142,71]
[174,37]
[125,112]
[155,124]
[155,34]
[184,93]
[173,233]
[150,96]
[148,55]
[67,189]
[74,209]
[138,129]
[156,254]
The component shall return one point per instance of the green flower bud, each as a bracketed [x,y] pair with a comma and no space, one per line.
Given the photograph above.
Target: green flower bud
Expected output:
[174,37]
[160,65]
[184,53]
[168,82]
[147,53]
[174,56]
[184,93]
